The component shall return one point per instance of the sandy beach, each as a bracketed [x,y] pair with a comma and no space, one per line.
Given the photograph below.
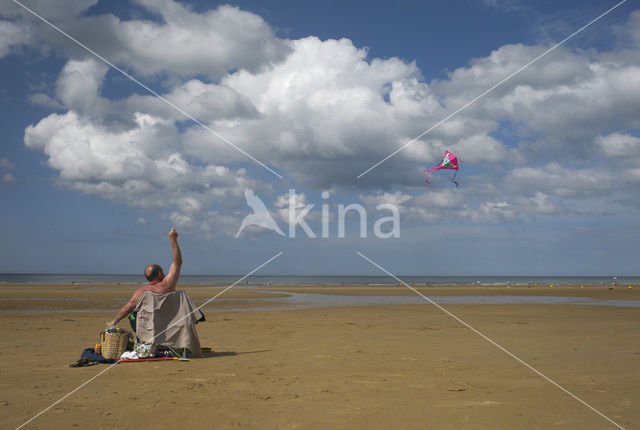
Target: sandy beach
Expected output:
[356,366]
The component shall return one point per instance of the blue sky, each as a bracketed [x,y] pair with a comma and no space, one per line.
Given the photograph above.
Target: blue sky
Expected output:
[94,170]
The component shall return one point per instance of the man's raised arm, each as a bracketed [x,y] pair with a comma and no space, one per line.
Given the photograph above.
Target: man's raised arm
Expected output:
[171,279]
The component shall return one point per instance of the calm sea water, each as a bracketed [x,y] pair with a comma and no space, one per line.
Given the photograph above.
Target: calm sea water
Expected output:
[323,280]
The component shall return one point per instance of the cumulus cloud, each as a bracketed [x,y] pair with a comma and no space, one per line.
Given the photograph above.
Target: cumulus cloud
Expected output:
[498,211]
[296,202]
[629,32]
[209,103]
[512,209]
[619,145]
[45,100]
[8,178]
[209,43]
[562,101]
[139,159]
[47,9]
[427,207]
[328,105]
[140,167]
[12,35]
[322,111]
[79,83]
[5,163]
[179,41]
[327,110]
[565,182]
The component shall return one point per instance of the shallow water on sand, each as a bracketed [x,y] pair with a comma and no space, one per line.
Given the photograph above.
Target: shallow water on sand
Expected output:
[304,301]
[294,300]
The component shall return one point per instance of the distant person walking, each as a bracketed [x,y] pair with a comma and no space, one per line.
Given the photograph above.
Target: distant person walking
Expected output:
[158,282]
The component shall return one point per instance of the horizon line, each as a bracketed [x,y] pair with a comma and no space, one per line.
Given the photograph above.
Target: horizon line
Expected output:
[331,275]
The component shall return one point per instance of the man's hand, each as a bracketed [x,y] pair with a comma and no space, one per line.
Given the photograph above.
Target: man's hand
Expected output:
[173,234]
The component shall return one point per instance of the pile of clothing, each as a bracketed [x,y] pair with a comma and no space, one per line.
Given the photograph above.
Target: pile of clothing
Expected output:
[90,357]
[147,350]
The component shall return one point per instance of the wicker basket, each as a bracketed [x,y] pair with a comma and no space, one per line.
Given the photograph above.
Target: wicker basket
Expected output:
[114,344]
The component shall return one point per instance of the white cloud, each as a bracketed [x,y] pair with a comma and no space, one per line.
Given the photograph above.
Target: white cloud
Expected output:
[44,100]
[140,167]
[440,199]
[11,35]
[47,9]
[543,204]
[297,202]
[397,198]
[499,211]
[562,181]
[325,106]
[180,41]
[427,207]
[207,225]
[322,112]
[481,148]
[210,43]
[5,163]
[8,178]
[619,145]
[562,102]
[208,102]
[79,83]
[631,29]
[634,27]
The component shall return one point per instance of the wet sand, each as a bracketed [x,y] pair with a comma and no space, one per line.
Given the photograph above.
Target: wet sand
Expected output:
[389,366]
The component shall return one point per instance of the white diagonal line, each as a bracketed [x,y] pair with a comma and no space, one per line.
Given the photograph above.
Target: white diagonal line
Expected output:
[173,105]
[64,397]
[108,368]
[439,123]
[489,340]
[225,290]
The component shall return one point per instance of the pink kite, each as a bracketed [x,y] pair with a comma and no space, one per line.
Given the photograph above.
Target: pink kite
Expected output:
[449,161]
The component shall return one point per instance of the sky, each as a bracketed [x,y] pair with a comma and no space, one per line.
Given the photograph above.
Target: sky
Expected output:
[163,114]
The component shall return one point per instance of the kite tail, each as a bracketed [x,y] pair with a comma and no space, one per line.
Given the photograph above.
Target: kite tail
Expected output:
[429,171]
[453,179]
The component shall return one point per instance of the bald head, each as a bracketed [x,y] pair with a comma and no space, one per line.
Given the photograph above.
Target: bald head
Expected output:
[153,272]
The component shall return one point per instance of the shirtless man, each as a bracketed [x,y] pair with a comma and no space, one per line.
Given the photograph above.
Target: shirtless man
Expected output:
[158,282]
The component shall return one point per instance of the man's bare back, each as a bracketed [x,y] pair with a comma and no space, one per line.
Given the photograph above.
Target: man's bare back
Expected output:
[158,282]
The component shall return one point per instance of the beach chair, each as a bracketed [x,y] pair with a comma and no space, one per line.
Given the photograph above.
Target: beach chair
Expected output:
[169,320]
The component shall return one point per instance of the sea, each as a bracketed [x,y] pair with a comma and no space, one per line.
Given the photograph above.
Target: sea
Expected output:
[322,280]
